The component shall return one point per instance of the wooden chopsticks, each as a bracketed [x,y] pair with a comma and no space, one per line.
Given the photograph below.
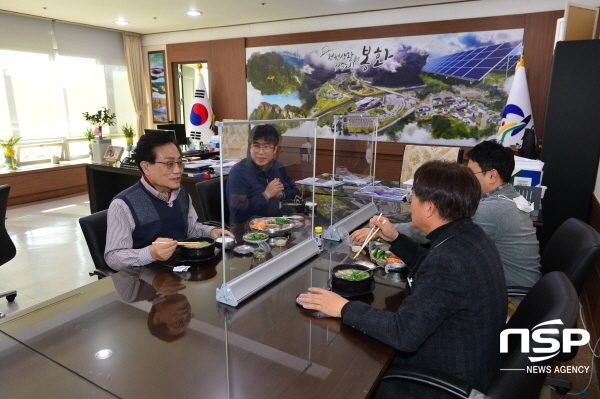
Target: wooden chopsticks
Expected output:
[178,242]
[371,234]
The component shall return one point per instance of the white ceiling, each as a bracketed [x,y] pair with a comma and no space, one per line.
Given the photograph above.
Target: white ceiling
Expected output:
[157,16]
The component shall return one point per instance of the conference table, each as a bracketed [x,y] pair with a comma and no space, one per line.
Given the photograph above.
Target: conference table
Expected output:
[122,336]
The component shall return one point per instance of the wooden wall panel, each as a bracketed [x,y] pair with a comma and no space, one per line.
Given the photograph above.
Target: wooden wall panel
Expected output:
[227,63]
[590,295]
[228,78]
[538,47]
[423,28]
[38,184]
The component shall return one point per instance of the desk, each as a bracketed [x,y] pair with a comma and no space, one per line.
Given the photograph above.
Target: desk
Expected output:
[25,373]
[104,182]
[268,347]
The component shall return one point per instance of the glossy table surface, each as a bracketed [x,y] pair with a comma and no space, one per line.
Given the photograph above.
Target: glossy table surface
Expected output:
[267,347]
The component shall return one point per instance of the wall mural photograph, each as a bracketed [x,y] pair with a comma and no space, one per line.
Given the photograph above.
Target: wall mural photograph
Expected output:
[445,89]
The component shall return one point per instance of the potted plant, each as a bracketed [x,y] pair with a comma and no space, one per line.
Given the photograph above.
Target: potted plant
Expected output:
[9,151]
[101,118]
[89,136]
[128,131]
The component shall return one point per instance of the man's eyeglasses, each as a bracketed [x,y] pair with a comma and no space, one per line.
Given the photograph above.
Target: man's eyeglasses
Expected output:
[171,164]
[264,147]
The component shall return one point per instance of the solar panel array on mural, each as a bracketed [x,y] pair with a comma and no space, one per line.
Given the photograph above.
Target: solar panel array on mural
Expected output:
[475,64]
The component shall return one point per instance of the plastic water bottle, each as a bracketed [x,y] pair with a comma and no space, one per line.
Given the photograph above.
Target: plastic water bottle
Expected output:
[319,237]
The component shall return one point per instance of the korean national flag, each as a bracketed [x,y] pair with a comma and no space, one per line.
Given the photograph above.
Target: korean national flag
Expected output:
[201,111]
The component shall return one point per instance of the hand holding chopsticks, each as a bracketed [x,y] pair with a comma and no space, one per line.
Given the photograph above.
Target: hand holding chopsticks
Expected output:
[374,230]
[178,242]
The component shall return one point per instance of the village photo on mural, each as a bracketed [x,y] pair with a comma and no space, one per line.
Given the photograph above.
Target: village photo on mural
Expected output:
[446,89]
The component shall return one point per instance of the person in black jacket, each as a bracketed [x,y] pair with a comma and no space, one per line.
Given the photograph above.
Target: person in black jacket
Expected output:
[455,305]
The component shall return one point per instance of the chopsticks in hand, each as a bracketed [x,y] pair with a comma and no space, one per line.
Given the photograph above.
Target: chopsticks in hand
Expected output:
[178,242]
[374,230]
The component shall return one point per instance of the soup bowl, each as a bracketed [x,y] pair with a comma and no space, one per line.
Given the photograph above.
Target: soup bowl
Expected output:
[190,252]
[361,277]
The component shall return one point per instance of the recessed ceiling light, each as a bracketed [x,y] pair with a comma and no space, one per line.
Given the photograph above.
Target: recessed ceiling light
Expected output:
[121,22]
[194,13]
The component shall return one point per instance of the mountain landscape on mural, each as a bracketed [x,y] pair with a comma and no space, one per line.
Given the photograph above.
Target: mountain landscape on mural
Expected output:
[430,89]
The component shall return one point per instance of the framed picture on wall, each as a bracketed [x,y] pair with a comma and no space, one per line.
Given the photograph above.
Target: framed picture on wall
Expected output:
[158,86]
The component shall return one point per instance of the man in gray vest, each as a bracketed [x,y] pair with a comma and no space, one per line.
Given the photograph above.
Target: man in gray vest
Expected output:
[155,209]
[502,213]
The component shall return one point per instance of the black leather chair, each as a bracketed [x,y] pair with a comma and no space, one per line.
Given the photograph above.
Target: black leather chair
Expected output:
[553,297]
[7,247]
[94,231]
[573,249]
[209,192]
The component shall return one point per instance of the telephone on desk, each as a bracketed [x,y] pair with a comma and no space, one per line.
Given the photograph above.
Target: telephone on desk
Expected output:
[128,163]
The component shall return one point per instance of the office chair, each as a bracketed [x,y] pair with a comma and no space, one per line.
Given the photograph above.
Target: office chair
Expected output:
[94,230]
[210,198]
[416,155]
[7,247]
[553,297]
[573,249]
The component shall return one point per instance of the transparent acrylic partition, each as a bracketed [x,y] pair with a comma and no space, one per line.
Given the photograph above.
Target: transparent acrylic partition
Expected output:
[353,174]
[269,200]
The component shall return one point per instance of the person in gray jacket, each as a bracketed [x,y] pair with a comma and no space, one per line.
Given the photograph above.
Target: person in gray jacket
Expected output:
[502,213]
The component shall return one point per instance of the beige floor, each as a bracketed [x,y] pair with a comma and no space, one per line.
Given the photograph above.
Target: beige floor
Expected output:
[53,258]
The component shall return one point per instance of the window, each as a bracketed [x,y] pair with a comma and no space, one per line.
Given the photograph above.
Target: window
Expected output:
[52,72]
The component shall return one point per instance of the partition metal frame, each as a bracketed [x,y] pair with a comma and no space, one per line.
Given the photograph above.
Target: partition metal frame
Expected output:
[243,286]
[354,220]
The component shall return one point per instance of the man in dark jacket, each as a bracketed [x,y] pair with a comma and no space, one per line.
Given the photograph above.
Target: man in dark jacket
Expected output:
[258,183]
[455,306]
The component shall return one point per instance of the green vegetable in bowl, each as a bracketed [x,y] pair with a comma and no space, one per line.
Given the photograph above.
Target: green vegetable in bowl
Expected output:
[258,254]
[281,221]
[256,236]
[381,241]
[351,275]
[379,254]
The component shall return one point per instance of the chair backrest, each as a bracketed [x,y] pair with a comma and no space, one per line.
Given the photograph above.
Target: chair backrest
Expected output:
[94,229]
[7,247]
[210,198]
[417,155]
[573,249]
[551,298]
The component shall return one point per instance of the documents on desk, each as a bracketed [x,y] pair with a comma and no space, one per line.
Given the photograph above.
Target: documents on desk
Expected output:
[205,165]
[382,193]
[320,182]
[527,172]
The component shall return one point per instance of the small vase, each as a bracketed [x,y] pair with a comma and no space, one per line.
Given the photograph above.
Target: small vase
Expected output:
[98,132]
[9,158]
[91,152]
[129,147]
